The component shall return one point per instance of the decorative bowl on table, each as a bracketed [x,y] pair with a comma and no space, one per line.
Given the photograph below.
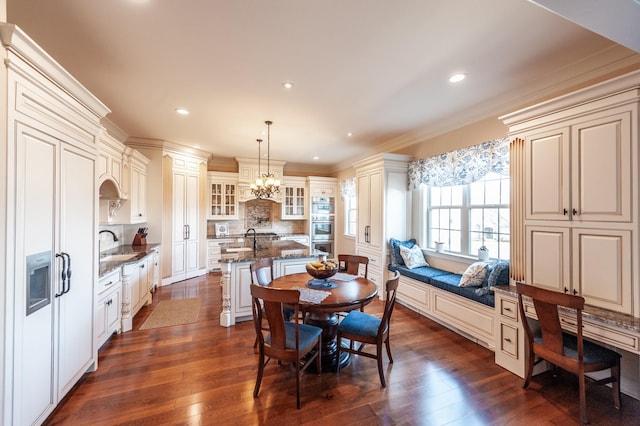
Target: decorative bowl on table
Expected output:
[321,272]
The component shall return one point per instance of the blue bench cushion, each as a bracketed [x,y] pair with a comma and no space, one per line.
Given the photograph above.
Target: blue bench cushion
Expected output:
[447,281]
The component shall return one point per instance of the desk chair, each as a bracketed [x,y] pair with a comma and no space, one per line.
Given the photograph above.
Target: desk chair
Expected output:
[287,341]
[365,328]
[567,351]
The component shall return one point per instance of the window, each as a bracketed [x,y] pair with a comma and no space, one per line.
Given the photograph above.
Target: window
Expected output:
[350,215]
[467,217]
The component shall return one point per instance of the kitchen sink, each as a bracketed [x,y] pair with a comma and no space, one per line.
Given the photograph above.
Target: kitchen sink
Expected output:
[118,257]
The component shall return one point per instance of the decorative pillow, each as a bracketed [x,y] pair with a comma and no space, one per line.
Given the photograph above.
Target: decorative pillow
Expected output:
[395,245]
[475,275]
[499,274]
[413,256]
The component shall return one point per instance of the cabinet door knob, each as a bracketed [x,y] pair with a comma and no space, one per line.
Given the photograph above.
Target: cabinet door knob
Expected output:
[565,212]
[575,212]
[566,290]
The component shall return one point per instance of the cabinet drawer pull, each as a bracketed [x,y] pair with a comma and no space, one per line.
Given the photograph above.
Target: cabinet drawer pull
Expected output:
[506,339]
[507,309]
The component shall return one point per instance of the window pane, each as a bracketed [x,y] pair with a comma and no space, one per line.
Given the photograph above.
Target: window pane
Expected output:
[476,193]
[492,192]
[504,198]
[457,195]
[470,216]
[435,197]
[455,219]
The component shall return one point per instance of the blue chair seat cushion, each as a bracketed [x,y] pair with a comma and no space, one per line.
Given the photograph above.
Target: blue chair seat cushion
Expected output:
[361,324]
[592,353]
[307,334]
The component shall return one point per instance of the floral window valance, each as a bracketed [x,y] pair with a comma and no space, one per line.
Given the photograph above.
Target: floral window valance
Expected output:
[462,166]
[348,188]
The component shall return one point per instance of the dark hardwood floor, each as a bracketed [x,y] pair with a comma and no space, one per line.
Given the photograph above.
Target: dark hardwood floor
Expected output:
[204,374]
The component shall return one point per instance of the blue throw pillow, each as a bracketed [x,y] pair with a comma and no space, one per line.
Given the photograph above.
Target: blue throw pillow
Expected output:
[394,250]
[499,274]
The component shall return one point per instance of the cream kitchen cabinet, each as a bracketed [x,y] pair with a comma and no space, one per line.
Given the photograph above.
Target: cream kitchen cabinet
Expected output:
[223,196]
[581,220]
[594,263]
[509,334]
[186,219]
[214,253]
[49,166]
[108,310]
[137,281]
[110,163]
[294,199]
[132,209]
[383,203]
[322,187]
[581,171]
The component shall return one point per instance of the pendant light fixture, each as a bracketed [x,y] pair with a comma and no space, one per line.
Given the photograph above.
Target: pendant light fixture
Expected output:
[266,185]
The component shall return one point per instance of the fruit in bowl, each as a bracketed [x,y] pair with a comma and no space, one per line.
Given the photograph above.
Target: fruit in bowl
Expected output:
[322,270]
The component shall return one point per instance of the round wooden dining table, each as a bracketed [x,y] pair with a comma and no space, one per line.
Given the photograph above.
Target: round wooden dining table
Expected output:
[347,295]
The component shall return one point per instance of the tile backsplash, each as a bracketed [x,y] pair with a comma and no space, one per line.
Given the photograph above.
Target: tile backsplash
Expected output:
[264,216]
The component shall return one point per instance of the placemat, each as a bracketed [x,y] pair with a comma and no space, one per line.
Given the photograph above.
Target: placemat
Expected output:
[343,276]
[312,296]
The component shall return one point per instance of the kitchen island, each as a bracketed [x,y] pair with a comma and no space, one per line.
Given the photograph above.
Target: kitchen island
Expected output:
[289,257]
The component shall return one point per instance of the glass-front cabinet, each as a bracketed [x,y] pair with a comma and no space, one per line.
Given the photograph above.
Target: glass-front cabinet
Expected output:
[223,195]
[294,198]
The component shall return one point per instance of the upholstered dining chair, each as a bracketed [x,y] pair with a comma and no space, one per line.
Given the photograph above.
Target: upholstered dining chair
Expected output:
[288,341]
[365,328]
[567,351]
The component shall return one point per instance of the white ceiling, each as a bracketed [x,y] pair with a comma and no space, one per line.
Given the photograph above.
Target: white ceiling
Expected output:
[377,68]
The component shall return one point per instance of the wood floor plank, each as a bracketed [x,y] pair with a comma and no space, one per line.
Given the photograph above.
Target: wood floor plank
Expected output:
[204,374]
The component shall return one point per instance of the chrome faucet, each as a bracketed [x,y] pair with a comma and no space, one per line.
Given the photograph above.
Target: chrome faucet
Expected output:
[110,232]
[255,242]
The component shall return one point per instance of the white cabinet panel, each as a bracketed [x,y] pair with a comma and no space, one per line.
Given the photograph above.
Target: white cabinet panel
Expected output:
[602,268]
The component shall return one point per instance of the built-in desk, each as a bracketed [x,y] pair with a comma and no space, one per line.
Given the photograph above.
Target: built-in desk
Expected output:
[620,331]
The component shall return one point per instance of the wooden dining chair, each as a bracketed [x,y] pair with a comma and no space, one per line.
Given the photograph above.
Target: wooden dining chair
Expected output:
[564,350]
[352,264]
[364,328]
[288,341]
[262,270]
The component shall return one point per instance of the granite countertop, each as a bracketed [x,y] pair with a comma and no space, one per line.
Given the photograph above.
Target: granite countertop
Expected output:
[275,249]
[140,253]
[594,313]
[259,235]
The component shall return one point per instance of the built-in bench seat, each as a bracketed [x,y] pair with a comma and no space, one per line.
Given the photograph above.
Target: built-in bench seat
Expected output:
[445,280]
[436,293]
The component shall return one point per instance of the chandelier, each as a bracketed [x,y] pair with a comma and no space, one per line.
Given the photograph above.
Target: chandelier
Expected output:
[266,185]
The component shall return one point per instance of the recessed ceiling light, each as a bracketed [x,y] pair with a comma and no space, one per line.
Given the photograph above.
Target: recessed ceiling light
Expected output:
[349,134]
[457,77]
[287,85]
[182,111]
[315,157]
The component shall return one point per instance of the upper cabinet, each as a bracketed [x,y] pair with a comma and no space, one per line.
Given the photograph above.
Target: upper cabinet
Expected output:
[130,207]
[323,187]
[580,170]
[294,198]
[222,195]
[581,218]
[110,165]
